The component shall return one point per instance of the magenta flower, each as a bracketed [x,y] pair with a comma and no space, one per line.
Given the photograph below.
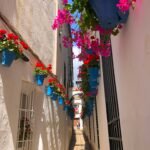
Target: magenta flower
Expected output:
[63,17]
[123,5]
[64,1]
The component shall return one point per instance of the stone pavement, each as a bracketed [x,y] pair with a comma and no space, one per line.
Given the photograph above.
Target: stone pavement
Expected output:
[79,142]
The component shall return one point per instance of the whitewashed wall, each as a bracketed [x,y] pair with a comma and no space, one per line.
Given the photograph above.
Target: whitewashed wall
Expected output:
[52,128]
[131,53]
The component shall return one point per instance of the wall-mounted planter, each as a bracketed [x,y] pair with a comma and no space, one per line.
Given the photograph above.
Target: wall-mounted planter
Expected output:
[90,51]
[93,71]
[54,96]
[39,79]
[66,107]
[108,14]
[60,100]
[49,90]
[93,83]
[7,57]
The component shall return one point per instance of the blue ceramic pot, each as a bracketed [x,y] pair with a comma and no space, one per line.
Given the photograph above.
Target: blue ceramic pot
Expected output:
[66,107]
[7,57]
[49,90]
[108,14]
[54,96]
[93,71]
[60,100]
[39,79]
[90,51]
[93,83]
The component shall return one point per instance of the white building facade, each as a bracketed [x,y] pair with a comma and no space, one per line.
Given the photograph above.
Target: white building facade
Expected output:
[127,77]
[22,102]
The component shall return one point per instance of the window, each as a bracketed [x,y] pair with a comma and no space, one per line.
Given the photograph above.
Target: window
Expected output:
[113,118]
[25,123]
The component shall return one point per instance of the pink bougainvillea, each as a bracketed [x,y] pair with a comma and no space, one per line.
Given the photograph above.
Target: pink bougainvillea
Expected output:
[123,5]
[63,17]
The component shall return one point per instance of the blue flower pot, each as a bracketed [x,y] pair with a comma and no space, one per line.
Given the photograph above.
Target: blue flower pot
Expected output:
[39,79]
[54,96]
[7,57]
[90,51]
[60,100]
[49,90]
[66,107]
[93,83]
[108,14]
[93,71]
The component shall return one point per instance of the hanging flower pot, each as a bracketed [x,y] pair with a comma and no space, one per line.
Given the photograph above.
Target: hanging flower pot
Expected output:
[49,90]
[90,51]
[54,96]
[108,14]
[40,73]
[66,107]
[7,57]
[39,78]
[93,71]
[11,48]
[93,83]
[60,100]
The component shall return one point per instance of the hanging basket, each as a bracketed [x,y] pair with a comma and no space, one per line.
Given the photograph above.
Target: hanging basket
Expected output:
[54,96]
[49,90]
[108,14]
[7,57]
[39,79]
[60,100]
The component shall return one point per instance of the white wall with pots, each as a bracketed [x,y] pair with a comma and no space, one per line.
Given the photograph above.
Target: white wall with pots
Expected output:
[52,127]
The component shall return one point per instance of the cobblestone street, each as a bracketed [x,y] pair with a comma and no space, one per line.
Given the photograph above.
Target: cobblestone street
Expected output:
[79,142]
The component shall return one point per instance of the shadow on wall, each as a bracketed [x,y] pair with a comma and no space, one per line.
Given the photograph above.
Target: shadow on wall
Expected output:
[10,89]
[8,7]
[46,128]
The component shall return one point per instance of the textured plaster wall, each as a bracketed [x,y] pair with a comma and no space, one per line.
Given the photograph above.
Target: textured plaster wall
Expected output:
[52,128]
[131,52]
[33,20]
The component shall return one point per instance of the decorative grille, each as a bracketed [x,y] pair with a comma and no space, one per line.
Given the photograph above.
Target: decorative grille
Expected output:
[25,123]
[113,118]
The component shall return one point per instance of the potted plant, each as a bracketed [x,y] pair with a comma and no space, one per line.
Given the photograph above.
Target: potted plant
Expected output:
[49,89]
[40,72]
[11,48]
[93,64]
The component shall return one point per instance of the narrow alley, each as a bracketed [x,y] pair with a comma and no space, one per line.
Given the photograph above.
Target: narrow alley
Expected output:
[79,141]
[74,74]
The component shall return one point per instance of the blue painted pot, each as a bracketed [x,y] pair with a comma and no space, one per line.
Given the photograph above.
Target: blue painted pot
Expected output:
[49,90]
[39,79]
[93,71]
[108,14]
[90,51]
[7,57]
[60,100]
[93,83]
[54,96]
[66,107]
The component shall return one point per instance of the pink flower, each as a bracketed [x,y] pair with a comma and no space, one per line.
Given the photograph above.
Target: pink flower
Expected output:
[64,1]
[63,17]
[123,5]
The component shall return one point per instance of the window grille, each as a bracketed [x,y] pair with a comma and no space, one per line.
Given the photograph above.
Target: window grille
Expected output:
[113,118]
[98,142]
[25,123]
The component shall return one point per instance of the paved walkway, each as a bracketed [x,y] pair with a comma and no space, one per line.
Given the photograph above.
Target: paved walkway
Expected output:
[79,142]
